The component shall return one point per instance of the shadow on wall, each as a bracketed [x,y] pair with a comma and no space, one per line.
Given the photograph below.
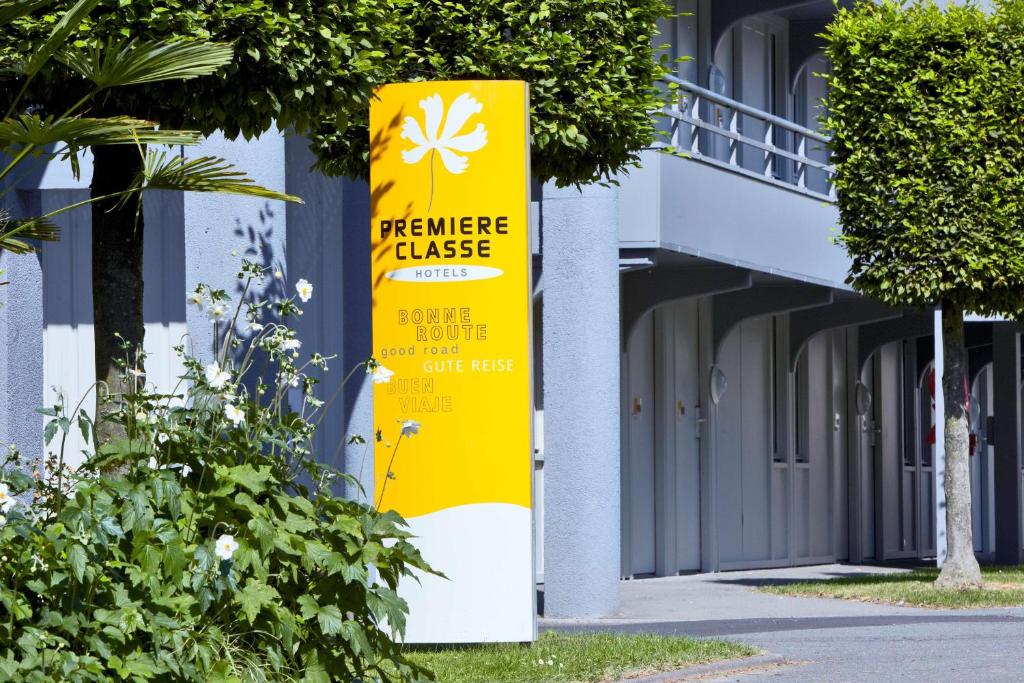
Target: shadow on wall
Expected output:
[329,245]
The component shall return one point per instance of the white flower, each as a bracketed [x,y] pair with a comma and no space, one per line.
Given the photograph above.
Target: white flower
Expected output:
[185,470]
[217,312]
[152,418]
[381,375]
[153,464]
[135,372]
[3,521]
[234,414]
[410,427]
[216,377]
[195,299]
[278,274]
[225,547]
[7,501]
[162,437]
[304,289]
[291,344]
[255,326]
[431,138]
[140,416]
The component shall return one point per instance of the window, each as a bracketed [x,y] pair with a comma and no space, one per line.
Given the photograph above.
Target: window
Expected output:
[801,391]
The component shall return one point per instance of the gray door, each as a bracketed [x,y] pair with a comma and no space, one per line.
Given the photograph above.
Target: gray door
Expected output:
[743,456]
[638,454]
[682,421]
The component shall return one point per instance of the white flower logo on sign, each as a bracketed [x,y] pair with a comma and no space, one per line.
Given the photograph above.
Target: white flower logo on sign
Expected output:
[449,141]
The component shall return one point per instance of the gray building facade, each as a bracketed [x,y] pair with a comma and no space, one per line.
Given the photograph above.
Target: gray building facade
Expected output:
[710,395]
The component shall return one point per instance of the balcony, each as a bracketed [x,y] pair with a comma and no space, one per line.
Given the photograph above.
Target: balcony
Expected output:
[711,128]
[743,187]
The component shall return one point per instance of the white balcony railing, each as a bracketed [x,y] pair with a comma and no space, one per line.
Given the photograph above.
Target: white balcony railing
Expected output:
[714,129]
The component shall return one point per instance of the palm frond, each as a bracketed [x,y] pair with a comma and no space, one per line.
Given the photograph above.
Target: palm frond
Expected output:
[203,174]
[12,9]
[59,36]
[136,62]
[14,232]
[77,132]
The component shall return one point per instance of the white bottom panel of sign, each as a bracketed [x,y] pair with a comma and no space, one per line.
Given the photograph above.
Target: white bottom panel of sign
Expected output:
[486,551]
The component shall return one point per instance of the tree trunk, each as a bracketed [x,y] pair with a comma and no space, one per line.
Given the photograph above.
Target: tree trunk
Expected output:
[117,239]
[961,567]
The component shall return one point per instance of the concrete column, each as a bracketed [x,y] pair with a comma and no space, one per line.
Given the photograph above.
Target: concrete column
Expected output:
[21,353]
[581,407]
[218,224]
[329,245]
[1006,372]
[22,309]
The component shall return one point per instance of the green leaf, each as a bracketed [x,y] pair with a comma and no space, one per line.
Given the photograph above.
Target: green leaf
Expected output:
[309,606]
[139,62]
[84,425]
[110,526]
[49,431]
[12,9]
[14,231]
[77,132]
[255,596]
[58,37]
[264,532]
[330,619]
[203,174]
[245,476]
[77,557]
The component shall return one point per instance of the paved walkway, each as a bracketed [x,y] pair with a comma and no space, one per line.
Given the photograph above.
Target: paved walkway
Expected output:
[822,639]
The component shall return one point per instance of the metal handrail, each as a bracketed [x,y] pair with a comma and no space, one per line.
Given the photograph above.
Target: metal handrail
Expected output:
[746,109]
[688,111]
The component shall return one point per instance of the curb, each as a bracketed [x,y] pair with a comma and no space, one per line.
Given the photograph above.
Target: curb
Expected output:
[722,666]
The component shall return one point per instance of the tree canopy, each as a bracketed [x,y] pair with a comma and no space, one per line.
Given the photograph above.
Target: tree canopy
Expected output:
[312,65]
[592,67]
[924,110]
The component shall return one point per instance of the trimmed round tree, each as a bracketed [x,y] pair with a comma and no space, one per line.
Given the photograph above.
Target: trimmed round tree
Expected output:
[312,66]
[930,185]
[592,66]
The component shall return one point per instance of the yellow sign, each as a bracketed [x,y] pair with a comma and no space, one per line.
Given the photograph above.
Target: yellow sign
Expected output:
[449,177]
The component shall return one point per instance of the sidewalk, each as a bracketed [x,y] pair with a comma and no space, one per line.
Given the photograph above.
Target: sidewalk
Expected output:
[822,639]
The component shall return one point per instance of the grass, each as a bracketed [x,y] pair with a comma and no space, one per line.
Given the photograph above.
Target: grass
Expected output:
[575,658]
[1004,587]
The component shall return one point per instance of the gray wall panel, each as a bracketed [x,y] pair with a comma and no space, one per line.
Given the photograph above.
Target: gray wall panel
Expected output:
[725,217]
[687,393]
[640,453]
[728,456]
[755,395]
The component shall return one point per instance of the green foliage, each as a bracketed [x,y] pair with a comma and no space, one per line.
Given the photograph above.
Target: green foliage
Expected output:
[312,65]
[295,61]
[591,66]
[90,77]
[922,107]
[207,545]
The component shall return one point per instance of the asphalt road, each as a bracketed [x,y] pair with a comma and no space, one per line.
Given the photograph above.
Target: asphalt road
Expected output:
[941,647]
[820,639]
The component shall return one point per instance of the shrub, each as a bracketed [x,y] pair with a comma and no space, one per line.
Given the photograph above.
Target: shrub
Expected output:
[207,545]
